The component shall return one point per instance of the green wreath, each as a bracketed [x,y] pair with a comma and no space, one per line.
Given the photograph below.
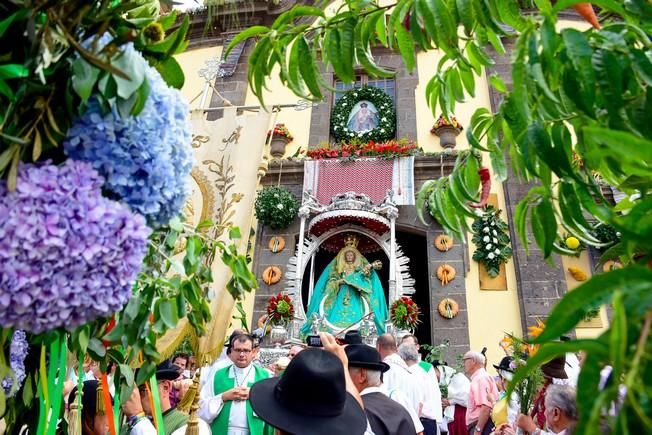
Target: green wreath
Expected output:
[386,116]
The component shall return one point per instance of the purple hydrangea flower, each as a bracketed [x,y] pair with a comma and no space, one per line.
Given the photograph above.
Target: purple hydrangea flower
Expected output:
[68,254]
[145,159]
[17,354]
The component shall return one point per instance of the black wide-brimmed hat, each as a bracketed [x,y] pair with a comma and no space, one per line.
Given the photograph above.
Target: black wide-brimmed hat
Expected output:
[361,355]
[505,364]
[352,337]
[437,363]
[310,398]
[555,368]
[166,371]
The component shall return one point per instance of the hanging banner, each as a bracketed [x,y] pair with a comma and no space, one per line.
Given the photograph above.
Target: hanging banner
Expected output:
[372,177]
[228,154]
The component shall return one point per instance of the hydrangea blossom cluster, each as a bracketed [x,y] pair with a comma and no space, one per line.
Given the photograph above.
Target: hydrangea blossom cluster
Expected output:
[17,354]
[145,159]
[69,255]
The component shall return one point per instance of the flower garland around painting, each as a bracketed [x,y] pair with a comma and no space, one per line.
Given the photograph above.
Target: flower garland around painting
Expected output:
[354,150]
[491,240]
[280,309]
[404,314]
[276,207]
[365,114]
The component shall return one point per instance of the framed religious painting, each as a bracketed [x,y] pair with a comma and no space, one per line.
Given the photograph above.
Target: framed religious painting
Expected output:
[364,114]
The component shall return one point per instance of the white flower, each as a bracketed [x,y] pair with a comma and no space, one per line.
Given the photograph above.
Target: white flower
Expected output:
[493,224]
[279,206]
[350,134]
[493,232]
[276,195]
[497,251]
[485,239]
[342,124]
[491,256]
[383,119]
[355,94]
[382,130]
[495,240]
[486,230]
[336,127]
[489,246]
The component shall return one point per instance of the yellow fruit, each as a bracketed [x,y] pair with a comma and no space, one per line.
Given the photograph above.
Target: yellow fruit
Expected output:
[572,243]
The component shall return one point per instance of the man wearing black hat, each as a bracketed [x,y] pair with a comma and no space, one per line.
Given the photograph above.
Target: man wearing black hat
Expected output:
[352,337]
[385,416]
[315,395]
[224,399]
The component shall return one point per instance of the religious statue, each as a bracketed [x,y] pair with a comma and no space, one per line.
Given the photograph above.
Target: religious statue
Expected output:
[363,118]
[347,291]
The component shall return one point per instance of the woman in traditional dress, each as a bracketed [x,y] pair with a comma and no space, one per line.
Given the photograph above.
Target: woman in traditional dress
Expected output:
[347,291]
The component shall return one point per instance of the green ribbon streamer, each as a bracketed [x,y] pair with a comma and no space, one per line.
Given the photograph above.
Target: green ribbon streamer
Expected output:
[58,381]
[116,406]
[80,388]
[153,385]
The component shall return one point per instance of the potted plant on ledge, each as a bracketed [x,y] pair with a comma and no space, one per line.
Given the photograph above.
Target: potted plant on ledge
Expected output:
[447,130]
[281,136]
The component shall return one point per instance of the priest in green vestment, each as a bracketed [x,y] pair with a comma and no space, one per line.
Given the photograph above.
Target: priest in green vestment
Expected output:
[347,290]
[224,398]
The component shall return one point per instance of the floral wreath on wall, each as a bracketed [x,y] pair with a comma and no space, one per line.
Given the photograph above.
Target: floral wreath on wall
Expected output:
[491,240]
[385,116]
[276,207]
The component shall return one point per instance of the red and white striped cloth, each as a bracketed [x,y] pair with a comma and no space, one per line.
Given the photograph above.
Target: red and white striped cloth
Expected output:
[372,177]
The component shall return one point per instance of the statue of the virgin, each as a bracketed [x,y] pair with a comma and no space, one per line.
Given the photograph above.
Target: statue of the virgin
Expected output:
[347,291]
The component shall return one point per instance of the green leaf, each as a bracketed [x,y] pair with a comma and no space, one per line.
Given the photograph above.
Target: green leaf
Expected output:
[131,63]
[234,233]
[5,23]
[548,226]
[168,312]
[406,47]
[127,373]
[243,36]
[422,196]
[465,11]
[621,143]
[579,52]
[498,83]
[308,68]
[572,308]
[171,72]
[12,71]
[618,337]
[84,77]
[466,74]
[83,338]
[96,348]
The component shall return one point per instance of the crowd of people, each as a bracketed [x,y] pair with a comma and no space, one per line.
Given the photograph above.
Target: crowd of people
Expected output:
[340,388]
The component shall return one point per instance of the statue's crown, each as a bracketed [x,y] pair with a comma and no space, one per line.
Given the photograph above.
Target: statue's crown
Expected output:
[351,241]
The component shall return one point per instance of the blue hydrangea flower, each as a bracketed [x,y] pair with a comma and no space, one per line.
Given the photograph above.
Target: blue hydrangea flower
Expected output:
[145,159]
[68,254]
[17,354]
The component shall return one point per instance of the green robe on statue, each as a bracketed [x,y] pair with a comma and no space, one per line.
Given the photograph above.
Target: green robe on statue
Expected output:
[221,383]
[347,290]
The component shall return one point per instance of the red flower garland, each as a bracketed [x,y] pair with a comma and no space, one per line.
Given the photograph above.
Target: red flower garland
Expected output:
[404,313]
[389,149]
[280,308]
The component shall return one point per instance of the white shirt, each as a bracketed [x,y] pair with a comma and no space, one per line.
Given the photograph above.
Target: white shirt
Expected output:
[210,405]
[432,395]
[399,379]
[143,427]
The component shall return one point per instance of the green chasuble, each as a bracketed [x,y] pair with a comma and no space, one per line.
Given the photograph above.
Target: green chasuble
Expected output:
[173,419]
[221,383]
[425,366]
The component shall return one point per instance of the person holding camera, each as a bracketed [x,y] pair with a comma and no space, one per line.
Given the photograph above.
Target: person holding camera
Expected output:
[315,395]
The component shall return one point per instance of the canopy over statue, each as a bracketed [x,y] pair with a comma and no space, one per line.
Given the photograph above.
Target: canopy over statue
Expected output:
[348,290]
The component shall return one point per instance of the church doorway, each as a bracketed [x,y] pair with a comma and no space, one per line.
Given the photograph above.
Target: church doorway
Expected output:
[414,246]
